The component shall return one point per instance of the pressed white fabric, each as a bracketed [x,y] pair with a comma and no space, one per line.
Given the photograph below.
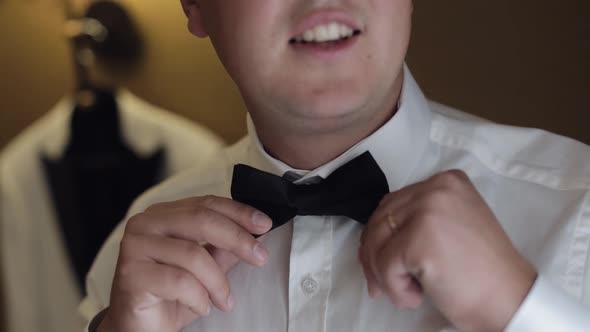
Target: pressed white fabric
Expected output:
[39,286]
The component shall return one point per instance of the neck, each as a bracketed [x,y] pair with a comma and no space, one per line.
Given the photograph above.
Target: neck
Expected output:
[308,146]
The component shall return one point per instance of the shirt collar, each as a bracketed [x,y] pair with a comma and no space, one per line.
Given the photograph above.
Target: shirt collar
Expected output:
[397,146]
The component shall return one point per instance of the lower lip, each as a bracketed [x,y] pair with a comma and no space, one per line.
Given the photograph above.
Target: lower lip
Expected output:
[326,50]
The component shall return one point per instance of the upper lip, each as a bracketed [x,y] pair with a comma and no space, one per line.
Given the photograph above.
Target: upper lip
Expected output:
[324,17]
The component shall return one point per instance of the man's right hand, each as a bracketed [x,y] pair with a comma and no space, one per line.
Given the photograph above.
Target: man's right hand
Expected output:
[173,262]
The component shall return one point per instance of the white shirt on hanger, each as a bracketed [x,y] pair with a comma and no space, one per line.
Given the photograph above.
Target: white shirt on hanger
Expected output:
[39,286]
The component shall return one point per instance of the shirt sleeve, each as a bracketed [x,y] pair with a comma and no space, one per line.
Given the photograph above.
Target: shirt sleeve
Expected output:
[547,308]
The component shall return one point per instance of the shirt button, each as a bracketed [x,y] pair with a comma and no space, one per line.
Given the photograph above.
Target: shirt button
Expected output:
[309,285]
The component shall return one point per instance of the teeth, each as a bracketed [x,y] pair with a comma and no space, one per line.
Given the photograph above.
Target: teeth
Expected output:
[325,33]
[309,36]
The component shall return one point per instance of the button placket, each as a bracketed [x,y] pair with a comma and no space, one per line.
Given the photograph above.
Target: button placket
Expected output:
[308,288]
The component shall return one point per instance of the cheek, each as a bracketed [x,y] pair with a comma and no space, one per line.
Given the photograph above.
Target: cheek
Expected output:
[392,28]
[248,35]
[393,16]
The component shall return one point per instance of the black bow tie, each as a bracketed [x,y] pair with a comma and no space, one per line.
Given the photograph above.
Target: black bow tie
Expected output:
[353,190]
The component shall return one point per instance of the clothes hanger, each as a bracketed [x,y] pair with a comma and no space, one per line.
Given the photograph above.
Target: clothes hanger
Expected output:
[98,176]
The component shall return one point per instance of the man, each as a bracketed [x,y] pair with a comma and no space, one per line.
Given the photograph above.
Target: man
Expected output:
[501,244]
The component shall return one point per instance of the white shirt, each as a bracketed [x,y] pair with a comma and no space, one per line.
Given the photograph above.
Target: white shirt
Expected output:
[41,292]
[537,184]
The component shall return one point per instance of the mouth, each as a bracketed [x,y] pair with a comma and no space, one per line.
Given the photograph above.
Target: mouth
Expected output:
[327,34]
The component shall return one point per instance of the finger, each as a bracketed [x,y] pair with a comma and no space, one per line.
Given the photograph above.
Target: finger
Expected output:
[154,283]
[390,206]
[380,231]
[185,316]
[246,216]
[395,200]
[201,225]
[394,276]
[373,287]
[226,259]
[249,218]
[187,255]
[363,236]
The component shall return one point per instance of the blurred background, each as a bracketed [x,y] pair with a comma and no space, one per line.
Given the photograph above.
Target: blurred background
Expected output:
[524,62]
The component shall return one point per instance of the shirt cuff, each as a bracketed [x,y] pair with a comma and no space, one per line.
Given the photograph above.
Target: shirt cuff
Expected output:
[547,308]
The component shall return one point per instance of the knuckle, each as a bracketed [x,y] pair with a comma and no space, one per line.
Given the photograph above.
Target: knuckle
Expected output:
[196,295]
[243,240]
[245,212]
[199,291]
[127,245]
[202,301]
[222,288]
[126,270]
[396,298]
[427,225]
[427,268]
[388,271]
[195,255]
[154,207]
[135,222]
[430,230]
[203,215]
[426,218]
[194,249]
[182,279]
[454,178]
[458,174]
[370,247]
[208,200]
[416,261]
[200,212]
[386,199]
[438,197]
[141,223]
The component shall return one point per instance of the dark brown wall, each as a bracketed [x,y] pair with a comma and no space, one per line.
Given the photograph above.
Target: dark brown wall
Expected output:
[524,62]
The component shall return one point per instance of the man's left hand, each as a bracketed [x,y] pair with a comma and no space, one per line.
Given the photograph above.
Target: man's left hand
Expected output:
[438,238]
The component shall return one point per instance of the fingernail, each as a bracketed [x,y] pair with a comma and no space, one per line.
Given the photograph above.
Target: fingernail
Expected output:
[208,311]
[261,220]
[260,252]
[230,302]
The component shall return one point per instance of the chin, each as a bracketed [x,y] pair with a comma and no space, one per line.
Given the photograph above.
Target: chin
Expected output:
[341,103]
[329,114]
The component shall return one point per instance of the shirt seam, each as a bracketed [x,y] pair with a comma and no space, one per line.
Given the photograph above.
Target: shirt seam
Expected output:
[504,167]
[578,253]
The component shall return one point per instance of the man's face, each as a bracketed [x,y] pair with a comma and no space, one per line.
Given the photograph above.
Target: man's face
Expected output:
[311,59]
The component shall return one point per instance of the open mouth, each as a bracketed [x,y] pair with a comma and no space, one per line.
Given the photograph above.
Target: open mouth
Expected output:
[325,35]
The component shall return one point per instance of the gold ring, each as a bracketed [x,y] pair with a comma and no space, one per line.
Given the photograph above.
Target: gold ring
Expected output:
[391,222]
